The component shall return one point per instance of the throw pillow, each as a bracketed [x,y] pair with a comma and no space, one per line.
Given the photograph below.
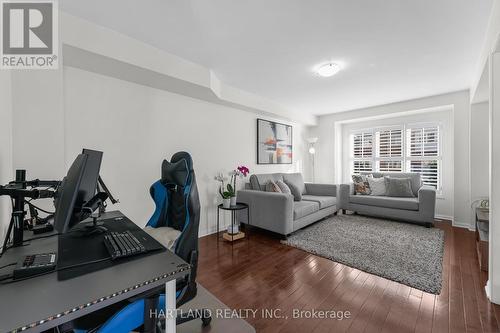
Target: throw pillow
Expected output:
[296,191]
[272,187]
[297,180]
[254,183]
[377,185]
[284,187]
[361,185]
[398,187]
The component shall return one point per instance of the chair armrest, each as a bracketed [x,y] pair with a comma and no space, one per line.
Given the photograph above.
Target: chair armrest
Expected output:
[269,210]
[344,193]
[321,189]
[427,200]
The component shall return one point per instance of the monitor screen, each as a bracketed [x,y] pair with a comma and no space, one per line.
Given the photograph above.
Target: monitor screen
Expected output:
[90,176]
[67,195]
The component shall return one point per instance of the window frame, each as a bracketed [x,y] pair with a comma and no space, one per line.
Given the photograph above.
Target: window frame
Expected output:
[405,157]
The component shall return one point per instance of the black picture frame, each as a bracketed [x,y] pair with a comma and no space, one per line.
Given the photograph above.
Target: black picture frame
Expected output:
[275,159]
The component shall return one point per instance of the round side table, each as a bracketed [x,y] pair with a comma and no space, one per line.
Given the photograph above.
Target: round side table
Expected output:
[233,209]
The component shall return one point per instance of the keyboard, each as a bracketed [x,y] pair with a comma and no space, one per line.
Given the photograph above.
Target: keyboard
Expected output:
[123,244]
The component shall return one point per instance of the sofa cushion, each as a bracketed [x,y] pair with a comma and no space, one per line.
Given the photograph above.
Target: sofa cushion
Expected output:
[284,187]
[323,200]
[383,201]
[416,180]
[377,186]
[304,208]
[296,184]
[361,185]
[272,187]
[258,182]
[398,187]
[295,179]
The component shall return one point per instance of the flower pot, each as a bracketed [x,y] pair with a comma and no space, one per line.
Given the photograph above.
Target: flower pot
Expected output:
[233,201]
[226,203]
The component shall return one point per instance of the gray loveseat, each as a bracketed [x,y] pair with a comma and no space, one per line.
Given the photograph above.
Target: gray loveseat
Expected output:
[279,212]
[419,209]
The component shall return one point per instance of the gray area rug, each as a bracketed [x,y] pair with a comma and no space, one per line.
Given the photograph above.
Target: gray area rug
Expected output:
[405,253]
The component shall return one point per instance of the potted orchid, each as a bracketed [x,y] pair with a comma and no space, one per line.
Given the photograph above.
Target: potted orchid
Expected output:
[225,191]
[240,172]
[228,190]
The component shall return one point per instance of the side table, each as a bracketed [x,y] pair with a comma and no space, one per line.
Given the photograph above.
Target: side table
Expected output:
[234,210]
[482,237]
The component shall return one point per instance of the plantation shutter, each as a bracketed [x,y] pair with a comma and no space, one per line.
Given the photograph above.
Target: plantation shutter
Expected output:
[363,145]
[423,141]
[362,152]
[423,153]
[390,143]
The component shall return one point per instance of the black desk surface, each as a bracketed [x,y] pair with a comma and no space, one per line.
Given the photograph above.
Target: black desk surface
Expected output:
[44,302]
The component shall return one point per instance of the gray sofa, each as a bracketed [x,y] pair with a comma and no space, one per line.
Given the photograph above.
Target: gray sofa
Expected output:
[420,209]
[279,212]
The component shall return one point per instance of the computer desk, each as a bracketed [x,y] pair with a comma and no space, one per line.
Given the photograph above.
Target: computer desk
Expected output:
[43,302]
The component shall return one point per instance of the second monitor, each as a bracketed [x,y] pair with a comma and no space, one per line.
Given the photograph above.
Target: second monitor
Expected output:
[78,189]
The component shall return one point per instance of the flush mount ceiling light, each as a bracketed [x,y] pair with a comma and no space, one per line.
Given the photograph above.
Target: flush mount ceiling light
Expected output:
[329,69]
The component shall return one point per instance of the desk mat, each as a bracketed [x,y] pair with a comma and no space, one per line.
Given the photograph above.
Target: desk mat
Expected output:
[89,253]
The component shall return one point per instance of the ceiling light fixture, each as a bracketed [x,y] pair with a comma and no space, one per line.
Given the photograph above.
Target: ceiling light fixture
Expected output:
[328,69]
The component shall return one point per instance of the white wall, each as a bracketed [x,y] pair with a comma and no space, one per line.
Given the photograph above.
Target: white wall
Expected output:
[138,126]
[493,287]
[490,43]
[328,156]
[37,118]
[479,156]
[37,123]
[444,204]
[6,173]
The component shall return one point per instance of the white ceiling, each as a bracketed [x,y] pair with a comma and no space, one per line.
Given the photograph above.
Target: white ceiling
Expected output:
[393,50]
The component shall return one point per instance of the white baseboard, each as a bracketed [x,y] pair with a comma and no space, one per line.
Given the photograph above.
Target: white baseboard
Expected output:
[212,230]
[465,225]
[444,217]
[487,290]
[456,223]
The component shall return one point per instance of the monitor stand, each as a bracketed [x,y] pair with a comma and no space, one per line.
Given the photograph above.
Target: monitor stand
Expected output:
[95,228]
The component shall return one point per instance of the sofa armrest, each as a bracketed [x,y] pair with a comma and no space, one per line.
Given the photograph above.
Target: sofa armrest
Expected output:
[427,201]
[269,210]
[344,194]
[321,189]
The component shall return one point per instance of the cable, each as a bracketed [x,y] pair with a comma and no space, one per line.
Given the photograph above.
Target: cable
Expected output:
[10,276]
[11,264]
[6,241]
[84,264]
[40,209]
[22,279]
[40,237]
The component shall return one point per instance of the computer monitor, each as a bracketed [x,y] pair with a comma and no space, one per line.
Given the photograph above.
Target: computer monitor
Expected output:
[68,194]
[90,176]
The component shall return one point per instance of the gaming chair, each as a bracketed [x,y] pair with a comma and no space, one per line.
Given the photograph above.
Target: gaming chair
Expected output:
[177,206]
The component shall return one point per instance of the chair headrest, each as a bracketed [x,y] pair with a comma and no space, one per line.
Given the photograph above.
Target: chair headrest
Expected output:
[177,171]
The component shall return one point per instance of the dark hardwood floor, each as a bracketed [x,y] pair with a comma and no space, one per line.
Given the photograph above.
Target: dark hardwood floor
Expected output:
[261,273]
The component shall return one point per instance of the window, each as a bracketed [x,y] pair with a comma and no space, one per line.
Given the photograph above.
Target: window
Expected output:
[423,154]
[389,150]
[405,148]
[362,152]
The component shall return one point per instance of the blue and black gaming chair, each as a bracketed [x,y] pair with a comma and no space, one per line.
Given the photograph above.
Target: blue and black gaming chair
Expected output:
[177,206]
